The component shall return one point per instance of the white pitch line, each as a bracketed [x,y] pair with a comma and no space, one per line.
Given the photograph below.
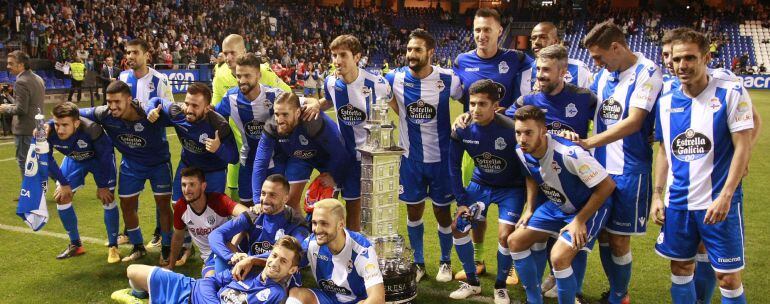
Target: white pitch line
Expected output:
[7,159]
[6,143]
[51,234]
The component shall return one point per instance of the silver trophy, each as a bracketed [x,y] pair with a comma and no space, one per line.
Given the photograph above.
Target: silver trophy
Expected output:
[380,162]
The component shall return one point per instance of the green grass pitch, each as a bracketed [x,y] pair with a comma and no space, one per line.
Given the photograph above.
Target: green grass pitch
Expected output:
[29,272]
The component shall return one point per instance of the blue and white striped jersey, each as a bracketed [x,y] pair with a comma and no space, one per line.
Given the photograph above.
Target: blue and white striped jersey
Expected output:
[578,74]
[351,102]
[565,174]
[637,87]
[423,107]
[347,274]
[696,132]
[249,115]
[154,84]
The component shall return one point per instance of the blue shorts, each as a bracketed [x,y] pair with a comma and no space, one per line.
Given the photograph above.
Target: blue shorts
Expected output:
[208,264]
[422,180]
[133,176]
[166,286]
[351,186]
[215,181]
[76,171]
[299,171]
[325,297]
[510,201]
[550,219]
[683,230]
[630,203]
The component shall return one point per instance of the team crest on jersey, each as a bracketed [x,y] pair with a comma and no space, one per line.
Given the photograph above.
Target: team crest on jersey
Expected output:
[631,79]
[254,128]
[568,77]
[268,104]
[440,85]
[553,195]
[138,127]
[82,144]
[500,143]
[420,112]
[610,111]
[261,247]
[555,166]
[302,140]
[490,163]
[132,141]
[202,139]
[150,87]
[715,104]
[330,286]
[263,295]
[350,266]
[232,296]
[350,115]
[503,67]
[211,220]
[690,146]
[571,110]
[556,127]
[366,91]
[279,234]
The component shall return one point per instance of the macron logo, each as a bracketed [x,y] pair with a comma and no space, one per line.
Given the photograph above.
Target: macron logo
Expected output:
[471,69]
[729,260]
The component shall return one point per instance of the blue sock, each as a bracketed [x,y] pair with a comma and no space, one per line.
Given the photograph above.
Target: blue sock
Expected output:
[445,242]
[622,274]
[705,279]
[416,230]
[112,223]
[525,266]
[165,238]
[579,267]
[605,254]
[566,285]
[70,221]
[136,292]
[135,236]
[682,289]
[540,254]
[733,296]
[503,265]
[464,248]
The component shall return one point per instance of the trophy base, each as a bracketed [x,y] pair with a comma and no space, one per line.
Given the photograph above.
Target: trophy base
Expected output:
[400,288]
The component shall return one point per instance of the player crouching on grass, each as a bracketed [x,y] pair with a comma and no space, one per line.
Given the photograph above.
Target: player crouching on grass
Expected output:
[163,286]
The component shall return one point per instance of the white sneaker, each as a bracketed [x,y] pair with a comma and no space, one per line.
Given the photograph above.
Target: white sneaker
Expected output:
[552,293]
[466,290]
[444,273]
[501,296]
[419,273]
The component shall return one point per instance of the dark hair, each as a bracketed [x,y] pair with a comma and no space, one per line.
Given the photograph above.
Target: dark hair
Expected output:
[486,86]
[554,52]
[21,57]
[488,12]
[529,112]
[603,35]
[419,33]
[139,42]
[66,109]
[288,98]
[248,59]
[668,36]
[194,172]
[117,86]
[278,179]
[199,88]
[293,245]
[691,36]
[348,42]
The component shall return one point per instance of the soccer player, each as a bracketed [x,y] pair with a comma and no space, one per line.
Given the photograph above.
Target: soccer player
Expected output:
[343,262]
[266,287]
[304,145]
[233,46]
[86,150]
[627,86]
[350,91]
[567,108]
[421,93]
[704,196]
[250,105]
[145,156]
[263,225]
[199,212]
[504,67]
[576,187]
[543,35]
[145,83]
[498,178]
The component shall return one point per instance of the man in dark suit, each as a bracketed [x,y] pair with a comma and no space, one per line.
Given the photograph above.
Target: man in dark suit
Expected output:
[27,101]
[108,73]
